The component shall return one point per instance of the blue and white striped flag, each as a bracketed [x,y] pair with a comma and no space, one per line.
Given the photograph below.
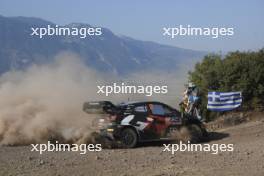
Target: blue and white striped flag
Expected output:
[224,101]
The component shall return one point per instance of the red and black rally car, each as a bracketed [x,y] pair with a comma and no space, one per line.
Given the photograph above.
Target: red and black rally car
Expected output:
[135,122]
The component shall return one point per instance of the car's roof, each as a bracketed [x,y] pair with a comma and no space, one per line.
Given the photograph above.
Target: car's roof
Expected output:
[136,103]
[140,102]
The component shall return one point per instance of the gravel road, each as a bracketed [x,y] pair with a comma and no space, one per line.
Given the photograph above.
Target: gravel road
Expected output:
[246,159]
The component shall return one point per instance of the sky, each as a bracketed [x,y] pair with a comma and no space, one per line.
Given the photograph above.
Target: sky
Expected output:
[145,19]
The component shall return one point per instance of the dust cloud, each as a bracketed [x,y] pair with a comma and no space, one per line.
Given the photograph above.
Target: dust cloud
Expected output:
[44,102]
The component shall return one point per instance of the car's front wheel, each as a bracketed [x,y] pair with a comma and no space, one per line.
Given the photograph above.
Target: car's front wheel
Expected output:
[191,133]
[129,138]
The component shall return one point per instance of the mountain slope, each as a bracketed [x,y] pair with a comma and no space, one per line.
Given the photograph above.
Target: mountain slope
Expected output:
[108,52]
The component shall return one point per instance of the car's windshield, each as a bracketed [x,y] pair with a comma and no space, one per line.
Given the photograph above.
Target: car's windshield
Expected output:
[157,109]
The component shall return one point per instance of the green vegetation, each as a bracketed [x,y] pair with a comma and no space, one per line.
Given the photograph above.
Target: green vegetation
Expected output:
[237,71]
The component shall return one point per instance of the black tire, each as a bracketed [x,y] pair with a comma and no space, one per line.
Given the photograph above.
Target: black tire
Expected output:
[205,132]
[129,138]
[184,134]
[196,132]
[191,133]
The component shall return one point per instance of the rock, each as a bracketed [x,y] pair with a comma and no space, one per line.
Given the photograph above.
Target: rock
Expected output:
[247,153]
[124,160]
[97,158]
[41,162]
[173,162]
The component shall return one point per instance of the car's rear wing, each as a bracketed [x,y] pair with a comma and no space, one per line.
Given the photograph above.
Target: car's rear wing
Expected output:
[99,107]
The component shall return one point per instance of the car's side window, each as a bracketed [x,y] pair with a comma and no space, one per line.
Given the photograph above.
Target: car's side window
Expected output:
[141,109]
[157,109]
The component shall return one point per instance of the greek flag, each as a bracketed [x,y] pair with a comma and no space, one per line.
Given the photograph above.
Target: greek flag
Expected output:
[224,101]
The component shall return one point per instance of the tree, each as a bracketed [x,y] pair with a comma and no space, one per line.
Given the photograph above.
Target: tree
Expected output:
[237,71]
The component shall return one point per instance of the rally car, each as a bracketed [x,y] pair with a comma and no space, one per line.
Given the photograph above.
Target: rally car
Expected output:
[135,122]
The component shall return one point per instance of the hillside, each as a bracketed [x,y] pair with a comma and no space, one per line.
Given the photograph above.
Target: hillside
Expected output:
[108,52]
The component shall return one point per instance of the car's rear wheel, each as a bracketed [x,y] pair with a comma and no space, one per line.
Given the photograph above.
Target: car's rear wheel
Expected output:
[129,138]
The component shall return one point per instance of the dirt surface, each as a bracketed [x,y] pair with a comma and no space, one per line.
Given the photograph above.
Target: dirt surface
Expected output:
[246,159]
